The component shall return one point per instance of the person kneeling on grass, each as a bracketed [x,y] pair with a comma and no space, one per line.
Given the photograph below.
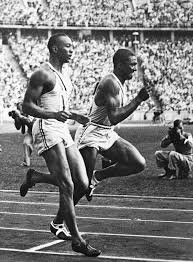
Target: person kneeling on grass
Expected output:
[177,163]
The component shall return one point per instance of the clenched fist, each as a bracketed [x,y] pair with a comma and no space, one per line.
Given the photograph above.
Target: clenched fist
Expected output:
[62,116]
[80,118]
[143,94]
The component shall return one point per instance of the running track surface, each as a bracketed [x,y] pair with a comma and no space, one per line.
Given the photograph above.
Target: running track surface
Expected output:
[125,228]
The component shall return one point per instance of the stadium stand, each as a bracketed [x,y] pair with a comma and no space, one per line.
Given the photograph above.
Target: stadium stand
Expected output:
[103,13]
[14,83]
[168,67]
[167,63]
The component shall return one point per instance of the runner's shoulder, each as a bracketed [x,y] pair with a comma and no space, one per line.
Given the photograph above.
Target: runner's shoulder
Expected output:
[109,84]
[42,75]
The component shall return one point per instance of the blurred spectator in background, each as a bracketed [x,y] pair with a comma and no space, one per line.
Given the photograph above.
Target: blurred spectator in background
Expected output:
[158,117]
[22,121]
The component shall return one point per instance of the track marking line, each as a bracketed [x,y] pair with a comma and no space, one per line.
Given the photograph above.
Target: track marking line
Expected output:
[44,245]
[100,218]
[102,234]
[68,253]
[104,195]
[98,206]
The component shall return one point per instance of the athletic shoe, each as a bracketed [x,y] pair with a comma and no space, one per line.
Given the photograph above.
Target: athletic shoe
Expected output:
[86,249]
[28,183]
[60,231]
[92,186]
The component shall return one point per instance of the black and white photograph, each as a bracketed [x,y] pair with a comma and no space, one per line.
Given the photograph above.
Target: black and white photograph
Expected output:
[96,130]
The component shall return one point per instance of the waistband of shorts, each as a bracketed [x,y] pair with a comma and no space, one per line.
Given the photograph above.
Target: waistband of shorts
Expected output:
[99,125]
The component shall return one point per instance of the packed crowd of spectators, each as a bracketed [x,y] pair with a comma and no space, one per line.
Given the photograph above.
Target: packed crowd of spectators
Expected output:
[12,85]
[98,13]
[167,67]
[27,52]
[13,12]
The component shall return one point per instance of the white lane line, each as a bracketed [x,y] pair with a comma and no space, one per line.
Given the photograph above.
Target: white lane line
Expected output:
[105,195]
[44,245]
[68,253]
[98,206]
[25,229]
[101,218]
[101,234]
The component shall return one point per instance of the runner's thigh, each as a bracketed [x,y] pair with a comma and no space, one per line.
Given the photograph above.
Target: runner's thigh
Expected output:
[123,152]
[89,155]
[76,164]
[57,162]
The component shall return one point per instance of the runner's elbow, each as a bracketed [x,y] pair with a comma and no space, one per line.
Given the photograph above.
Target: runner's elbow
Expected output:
[25,108]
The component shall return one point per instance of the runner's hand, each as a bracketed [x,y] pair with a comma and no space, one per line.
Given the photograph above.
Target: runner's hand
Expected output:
[143,94]
[62,116]
[80,118]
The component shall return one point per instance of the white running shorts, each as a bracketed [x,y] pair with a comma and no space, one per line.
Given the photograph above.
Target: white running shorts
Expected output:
[95,136]
[47,133]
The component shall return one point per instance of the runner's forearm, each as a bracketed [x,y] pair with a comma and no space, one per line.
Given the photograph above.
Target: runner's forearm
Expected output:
[122,113]
[36,111]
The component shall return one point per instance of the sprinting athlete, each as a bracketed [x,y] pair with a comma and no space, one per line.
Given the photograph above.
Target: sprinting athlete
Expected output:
[46,99]
[109,109]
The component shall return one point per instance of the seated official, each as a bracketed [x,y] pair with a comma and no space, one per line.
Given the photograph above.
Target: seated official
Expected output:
[177,163]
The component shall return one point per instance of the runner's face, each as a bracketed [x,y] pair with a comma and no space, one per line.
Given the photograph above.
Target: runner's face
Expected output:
[129,67]
[65,49]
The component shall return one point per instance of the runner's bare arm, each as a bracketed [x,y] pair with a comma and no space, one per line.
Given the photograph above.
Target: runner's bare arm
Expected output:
[116,113]
[39,84]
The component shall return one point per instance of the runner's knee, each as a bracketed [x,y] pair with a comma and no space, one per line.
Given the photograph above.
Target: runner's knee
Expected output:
[64,180]
[66,187]
[84,185]
[138,162]
[141,164]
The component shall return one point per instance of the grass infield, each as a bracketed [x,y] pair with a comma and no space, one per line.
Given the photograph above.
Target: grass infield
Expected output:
[145,138]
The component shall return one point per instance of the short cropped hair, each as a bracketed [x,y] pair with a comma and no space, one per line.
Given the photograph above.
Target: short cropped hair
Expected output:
[121,55]
[54,40]
[177,122]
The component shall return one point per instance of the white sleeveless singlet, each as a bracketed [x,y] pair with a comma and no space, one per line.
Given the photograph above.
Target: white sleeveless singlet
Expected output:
[49,132]
[99,133]
[98,114]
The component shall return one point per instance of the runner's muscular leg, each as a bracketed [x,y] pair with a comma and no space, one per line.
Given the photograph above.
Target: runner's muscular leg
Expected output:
[57,164]
[89,155]
[128,160]
[78,171]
